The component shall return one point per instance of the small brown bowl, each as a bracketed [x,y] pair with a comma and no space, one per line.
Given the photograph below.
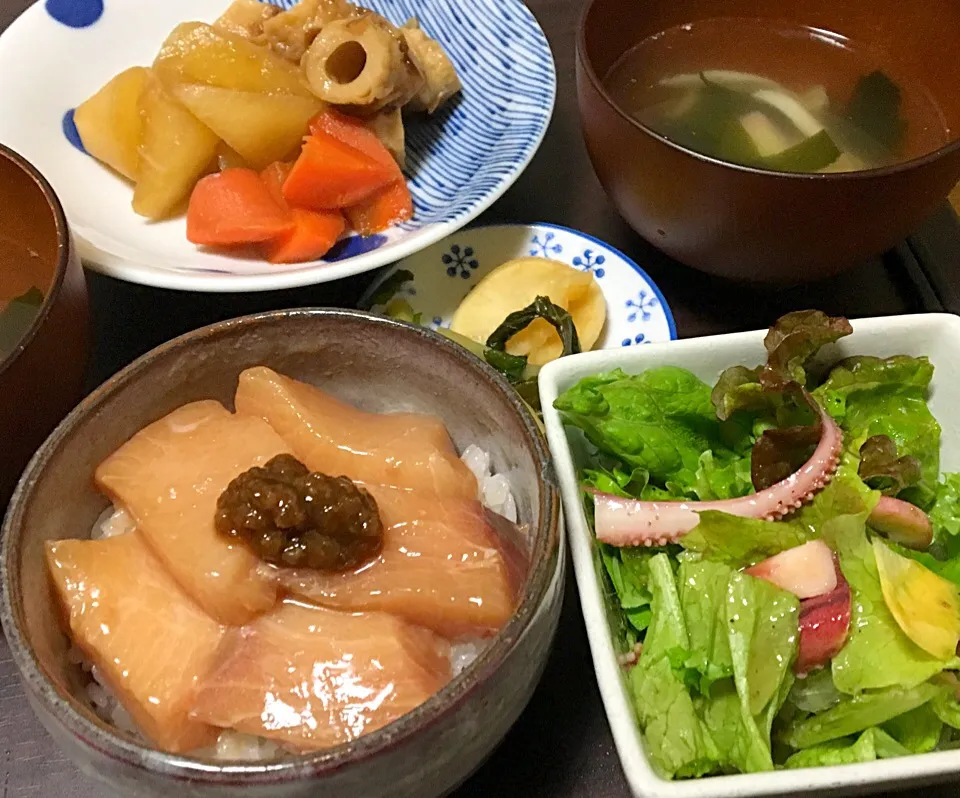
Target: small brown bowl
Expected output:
[41,378]
[751,224]
[379,365]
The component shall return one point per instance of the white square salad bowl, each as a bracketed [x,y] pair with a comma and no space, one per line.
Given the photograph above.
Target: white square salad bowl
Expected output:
[935,335]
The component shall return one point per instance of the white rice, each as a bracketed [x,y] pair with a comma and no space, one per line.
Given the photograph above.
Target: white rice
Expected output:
[112,522]
[495,494]
[232,745]
[464,651]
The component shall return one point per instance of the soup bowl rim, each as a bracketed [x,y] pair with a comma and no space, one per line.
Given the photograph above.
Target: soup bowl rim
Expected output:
[64,248]
[586,62]
[109,741]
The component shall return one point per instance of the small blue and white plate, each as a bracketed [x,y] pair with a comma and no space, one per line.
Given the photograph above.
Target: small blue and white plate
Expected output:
[59,52]
[444,273]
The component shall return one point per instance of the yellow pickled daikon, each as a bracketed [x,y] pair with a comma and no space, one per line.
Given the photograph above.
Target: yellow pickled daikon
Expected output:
[517,283]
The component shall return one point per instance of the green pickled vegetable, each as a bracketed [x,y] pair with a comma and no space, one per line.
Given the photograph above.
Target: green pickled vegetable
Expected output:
[540,308]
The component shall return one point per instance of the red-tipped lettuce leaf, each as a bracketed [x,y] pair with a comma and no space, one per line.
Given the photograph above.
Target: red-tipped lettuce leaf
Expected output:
[883,470]
[738,389]
[780,451]
[776,394]
[790,343]
[796,337]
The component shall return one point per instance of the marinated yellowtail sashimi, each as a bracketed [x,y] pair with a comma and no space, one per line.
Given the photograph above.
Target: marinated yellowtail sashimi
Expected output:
[406,450]
[442,567]
[313,678]
[150,643]
[169,476]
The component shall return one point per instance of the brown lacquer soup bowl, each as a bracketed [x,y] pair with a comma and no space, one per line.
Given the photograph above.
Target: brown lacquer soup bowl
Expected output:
[751,224]
[43,354]
[376,364]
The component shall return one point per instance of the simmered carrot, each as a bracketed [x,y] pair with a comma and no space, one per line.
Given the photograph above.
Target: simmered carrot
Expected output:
[391,204]
[313,233]
[275,176]
[330,174]
[234,207]
[353,132]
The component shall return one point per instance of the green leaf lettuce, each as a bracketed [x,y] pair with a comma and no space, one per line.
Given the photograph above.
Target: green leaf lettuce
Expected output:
[877,654]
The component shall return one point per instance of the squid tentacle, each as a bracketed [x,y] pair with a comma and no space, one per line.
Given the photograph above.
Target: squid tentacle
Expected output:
[631,522]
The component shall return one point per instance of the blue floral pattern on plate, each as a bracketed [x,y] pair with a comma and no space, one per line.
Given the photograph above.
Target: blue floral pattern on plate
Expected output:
[591,261]
[639,338]
[642,318]
[459,261]
[545,248]
[641,307]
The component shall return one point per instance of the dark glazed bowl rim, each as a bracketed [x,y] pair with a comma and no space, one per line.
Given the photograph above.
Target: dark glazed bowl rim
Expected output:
[63,251]
[861,174]
[104,738]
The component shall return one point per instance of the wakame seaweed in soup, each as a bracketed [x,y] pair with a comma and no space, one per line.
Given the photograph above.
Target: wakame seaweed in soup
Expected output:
[773,96]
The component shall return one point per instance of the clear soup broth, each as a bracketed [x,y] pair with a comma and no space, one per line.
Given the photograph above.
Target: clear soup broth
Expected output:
[25,277]
[776,96]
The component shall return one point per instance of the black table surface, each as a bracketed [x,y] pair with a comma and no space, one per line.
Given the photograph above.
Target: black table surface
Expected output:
[561,746]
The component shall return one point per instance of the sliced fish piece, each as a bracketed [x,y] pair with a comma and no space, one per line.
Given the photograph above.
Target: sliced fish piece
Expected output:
[312,678]
[442,567]
[169,476]
[405,450]
[151,644]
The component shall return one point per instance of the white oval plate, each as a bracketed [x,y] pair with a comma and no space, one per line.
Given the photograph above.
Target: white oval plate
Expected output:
[59,52]
[444,273]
